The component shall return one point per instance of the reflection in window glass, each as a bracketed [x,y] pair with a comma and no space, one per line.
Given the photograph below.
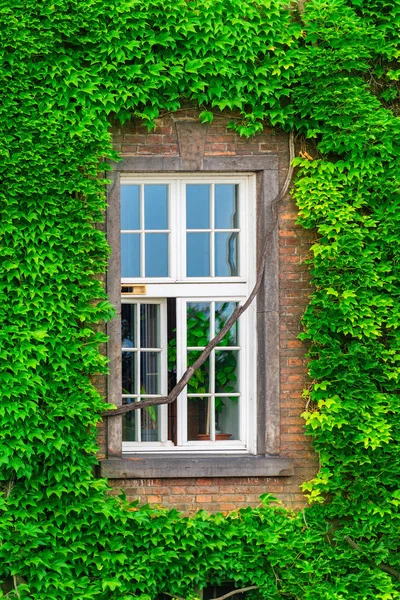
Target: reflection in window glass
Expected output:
[150,373]
[128,326]
[226,254]
[223,311]
[226,216]
[149,325]
[150,423]
[198,324]
[197,206]
[198,422]
[130,203]
[129,373]
[129,423]
[226,371]
[156,206]
[227,417]
[198,255]
[130,255]
[156,253]
[200,382]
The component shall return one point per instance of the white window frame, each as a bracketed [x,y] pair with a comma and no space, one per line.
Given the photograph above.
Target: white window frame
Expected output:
[189,289]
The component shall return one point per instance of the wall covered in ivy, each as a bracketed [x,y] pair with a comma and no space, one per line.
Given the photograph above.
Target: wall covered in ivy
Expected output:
[330,73]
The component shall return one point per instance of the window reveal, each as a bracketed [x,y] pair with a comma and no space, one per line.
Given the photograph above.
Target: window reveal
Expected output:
[204,267]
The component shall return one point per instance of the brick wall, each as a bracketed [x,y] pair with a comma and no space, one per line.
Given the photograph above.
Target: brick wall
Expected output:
[229,493]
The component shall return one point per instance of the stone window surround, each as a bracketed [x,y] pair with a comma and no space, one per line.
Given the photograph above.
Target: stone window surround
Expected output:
[267,462]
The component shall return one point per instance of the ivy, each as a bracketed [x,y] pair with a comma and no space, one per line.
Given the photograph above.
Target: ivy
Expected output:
[331,74]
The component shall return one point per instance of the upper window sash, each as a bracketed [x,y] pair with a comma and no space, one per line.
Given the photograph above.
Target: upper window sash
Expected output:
[172,224]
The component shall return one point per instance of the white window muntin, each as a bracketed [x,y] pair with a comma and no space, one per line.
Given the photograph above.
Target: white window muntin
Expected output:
[177,224]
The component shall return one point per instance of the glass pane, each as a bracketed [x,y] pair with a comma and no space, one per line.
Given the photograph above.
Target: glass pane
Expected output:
[130,203]
[129,373]
[198,323]
[223,310]
[226,254]
[226,206]
[128,325]
[150,372]
[198,255]
[130,255]
[200,382]
[227,418]
[150,423]
[198,425]
[198,206]
[149,325]
[227,371]
[129,423]
[156,206]
[156,254]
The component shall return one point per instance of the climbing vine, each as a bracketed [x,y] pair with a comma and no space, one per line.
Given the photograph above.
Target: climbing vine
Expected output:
[327,70]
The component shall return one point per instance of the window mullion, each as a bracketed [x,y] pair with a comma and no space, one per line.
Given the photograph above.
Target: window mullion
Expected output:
[142,236]
[139,355]
[164,369]
[181,365]
[212,234]
[180,231]
[212,375]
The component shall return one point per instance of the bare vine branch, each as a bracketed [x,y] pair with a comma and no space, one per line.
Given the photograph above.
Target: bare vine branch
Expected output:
[300,6]
[227,595]
[239,591]
[184,380]
[16,586]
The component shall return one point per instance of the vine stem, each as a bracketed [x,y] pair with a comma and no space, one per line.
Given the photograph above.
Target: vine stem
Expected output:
[188,374]
[381,566]
[227,595]
[16,586]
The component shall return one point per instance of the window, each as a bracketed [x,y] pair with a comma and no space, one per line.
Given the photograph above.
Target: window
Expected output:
[188,248]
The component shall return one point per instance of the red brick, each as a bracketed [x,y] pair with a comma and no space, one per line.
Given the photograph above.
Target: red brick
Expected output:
[178,490]
[228,506]
[130,138]
[129,148]
[153,138]
[185,499]
[205,499]
[295,344]
[154,499]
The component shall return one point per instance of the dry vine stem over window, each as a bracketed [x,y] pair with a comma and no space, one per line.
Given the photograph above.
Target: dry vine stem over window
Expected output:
[228,595]
[184,380]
